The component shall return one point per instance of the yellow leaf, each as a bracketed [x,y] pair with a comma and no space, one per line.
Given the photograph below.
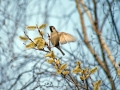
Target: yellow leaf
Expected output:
[24,38]
[84,71]
[63,66]
[82,78]
[37,38]
[77,67]
[59,71]
[30,45]
[56,67]
[40,46]
[42,26]
[93,70]
[39,42]
[31,27]
[75,71]
[42,33]
[51,55]
[57,62]
[98,82]
[65,72]
[78,63]
[97,85]
[50,61]
[48,55]
[87,76]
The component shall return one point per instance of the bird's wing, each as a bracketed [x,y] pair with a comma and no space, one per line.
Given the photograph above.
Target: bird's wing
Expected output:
[65,37]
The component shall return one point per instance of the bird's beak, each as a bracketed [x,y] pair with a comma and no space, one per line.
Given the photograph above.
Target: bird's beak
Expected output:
[50,28]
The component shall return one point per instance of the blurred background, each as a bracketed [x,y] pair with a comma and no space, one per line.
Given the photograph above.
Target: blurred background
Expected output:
[27,69]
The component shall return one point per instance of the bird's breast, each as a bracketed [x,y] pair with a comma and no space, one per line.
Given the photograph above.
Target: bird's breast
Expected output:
[54,39]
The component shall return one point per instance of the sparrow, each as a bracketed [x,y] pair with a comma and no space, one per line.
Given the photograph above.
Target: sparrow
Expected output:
[60,37]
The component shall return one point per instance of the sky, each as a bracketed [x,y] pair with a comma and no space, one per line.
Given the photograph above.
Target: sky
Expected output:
[60,13]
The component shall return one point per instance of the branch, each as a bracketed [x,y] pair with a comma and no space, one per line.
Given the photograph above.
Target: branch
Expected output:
[86,38]
[103,44]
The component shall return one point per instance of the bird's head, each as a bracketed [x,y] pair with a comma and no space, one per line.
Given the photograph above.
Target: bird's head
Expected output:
[52,29]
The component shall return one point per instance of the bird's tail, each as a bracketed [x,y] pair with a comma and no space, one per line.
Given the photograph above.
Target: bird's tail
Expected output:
[61,50]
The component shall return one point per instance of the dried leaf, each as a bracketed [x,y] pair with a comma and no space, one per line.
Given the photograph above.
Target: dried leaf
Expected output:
[42,33]
[59,71]
[78,63]
[42,26]
[39,42]
[75,71]
[97,85]
[87,76]
[24,38]
[31,27]
[57,62]
[85,71]
[30,45]
[37,38]
[63,66]
[51,55]
[77,67]
[82,78]
[65,72]
[50,61]
[93,70]
[56,67]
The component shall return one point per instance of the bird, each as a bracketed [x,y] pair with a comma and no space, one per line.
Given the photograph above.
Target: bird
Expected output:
[60,37]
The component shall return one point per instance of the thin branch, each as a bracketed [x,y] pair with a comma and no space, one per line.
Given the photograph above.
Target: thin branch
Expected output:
[86,38]
[103,44]
[113,21]
[19,76]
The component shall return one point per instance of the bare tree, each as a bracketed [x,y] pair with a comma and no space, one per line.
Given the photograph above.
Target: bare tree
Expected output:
[92,62]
